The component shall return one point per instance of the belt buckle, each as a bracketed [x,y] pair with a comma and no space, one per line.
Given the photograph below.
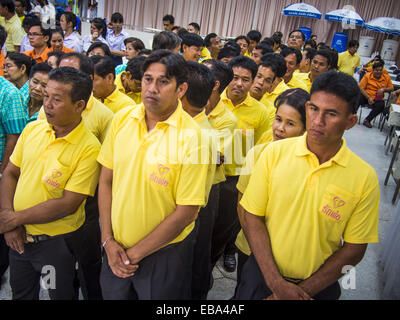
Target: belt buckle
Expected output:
[30,238]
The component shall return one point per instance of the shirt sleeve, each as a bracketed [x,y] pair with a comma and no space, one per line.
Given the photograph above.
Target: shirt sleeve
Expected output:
[17,155]
[13,117]
[106,154]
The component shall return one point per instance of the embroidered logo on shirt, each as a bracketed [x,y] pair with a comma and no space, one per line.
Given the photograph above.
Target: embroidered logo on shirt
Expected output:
[332,211]
[53,179]
[160,177]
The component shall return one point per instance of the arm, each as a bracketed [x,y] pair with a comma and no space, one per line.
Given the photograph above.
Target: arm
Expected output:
[8,150]
[164,233]
[119,53]
[366,95]
[331,270]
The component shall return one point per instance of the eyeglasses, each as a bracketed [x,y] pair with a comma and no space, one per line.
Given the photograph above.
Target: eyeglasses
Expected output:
[34,34]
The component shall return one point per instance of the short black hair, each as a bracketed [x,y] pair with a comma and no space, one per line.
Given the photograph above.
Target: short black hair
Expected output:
[117,17]
[3,36]
[274,61]
[227,52]
[286,51]
[99,44]
[297,30]
[137,44]
[339,84]
[134,67]
[310,53]
[80,82]
[192,39]
[166,40]
[234,45]
[264,48]
[195,25]
[70,17]
[312,43]
[222,73]
[176,66]
[268,41]
[244,38]
[29,20]
[334,59]
[296,98]
[42,67]
[245,63]
[277,37]
[145,52]
[353,43]
[200,84]
[378,64]
[254,35]
[182,32]
[58,54]
[21,59]
[85,64]
[169,18]
[103,66]
[57,30]
[44,31]
[325,53]
[9,4]
[207,39]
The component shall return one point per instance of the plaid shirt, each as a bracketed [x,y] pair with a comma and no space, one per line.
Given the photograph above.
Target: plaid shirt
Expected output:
[12,113]
[24,92]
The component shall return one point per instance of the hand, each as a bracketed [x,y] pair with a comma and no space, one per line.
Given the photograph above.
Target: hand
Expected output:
[286,290]
[7,220]
[16,238]
[118,260]
[370,101]
[380,92]
[95,35]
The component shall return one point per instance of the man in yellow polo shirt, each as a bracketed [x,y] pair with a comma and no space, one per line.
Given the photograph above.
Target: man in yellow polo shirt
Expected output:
[349,60]
[129,81]
[44,188]
[253,121]
[154,144]
[10,21]
[295,227]
[293,58]
[104,87]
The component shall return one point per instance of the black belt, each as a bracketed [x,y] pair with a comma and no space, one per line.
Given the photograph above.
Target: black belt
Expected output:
[39,238]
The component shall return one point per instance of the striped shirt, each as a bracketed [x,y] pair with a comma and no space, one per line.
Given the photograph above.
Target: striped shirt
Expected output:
[12,113]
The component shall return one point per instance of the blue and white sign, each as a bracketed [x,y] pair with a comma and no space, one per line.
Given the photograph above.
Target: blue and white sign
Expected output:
[345,15]
[384,25]
[302,10]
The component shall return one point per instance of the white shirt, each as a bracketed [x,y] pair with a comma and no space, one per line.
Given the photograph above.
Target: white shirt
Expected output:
[73,41]
[116,43]
[46,13]
[87,41]
[25,44]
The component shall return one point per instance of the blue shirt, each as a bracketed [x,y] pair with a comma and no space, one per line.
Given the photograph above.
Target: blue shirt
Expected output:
[120,68]
[116,43]
[12,113]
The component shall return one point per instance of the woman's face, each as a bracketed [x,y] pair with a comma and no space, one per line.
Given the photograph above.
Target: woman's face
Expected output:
[11,71]
[63,23]
[19,9]
[56,41]
[287,123]
[130,51]
[93,30]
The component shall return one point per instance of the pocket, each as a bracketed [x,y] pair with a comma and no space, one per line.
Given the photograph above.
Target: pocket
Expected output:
[55,178]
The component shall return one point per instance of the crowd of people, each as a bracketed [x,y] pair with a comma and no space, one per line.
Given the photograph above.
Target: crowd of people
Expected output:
[144,174]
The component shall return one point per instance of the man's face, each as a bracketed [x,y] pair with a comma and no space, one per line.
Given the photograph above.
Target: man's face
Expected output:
[256,55]
[192,29]
[319,65]
[160,94]
[353,50]
[117,27]
[262,82]
[36,38]
[243,46]
[72,62]
[252,45]
[37,84]
[226,59]
[191,53]
[377,72]
[296,40]
[291,64]
[101,86]
[58,106]
[327,117]
[19,9]
[241,83]
[216,45]
[3,11]
[167,25]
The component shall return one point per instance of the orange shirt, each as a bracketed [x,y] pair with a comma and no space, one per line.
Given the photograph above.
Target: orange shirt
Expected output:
[372,85]
[1,63]
[64,49]
[369,69]
[398,100]
[40,58]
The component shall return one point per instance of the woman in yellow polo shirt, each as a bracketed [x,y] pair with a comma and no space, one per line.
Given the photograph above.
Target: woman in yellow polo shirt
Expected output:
[290,121]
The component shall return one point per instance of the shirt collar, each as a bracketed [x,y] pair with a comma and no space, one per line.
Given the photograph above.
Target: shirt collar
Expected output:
[90,103]
[74,137]
[113,95]
[218,110]
[224,98]
[341,157]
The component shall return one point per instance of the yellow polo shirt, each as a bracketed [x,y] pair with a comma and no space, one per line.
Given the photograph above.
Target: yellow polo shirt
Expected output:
[266,137]
[253,121]
[297,82]
[271,109]
[309,208]
[251,159]
[15,32]
[205,54]
[271,97]
[224,122]
[135,96]
[153,172]
[50,165]
[305,77]
[348,63]
[118,100]
[96,117]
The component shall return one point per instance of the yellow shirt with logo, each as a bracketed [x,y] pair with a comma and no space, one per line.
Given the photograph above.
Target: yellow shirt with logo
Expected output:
[96,117]
[153,172]
[348,63]
[224,122]
[50,165]
[118,100]
[253,121]
[271,97]
[297,82]
[135,96]
[309,208]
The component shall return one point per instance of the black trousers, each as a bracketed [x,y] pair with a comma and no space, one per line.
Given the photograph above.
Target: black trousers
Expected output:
[86,248]
[53,260]
[202,269]
[4,261]
[377,108]
[252,285]
[242,258]
[163,275]
[227,224]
